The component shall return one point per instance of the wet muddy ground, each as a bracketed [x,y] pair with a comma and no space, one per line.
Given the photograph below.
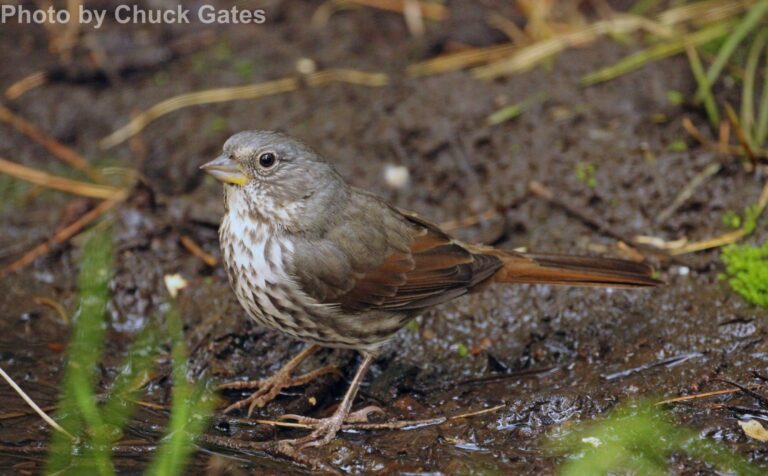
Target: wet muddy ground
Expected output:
[552,356]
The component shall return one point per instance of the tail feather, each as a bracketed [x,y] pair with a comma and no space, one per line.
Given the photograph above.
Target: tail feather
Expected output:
[573,271]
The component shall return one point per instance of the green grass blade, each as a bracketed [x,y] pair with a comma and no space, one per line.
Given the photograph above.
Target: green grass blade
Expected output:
[192,406]
[698,73]
[657,52]
[745,26]
[119,406]
[748,91]
[637,438]
[78,406]
[510,112]
[761,130]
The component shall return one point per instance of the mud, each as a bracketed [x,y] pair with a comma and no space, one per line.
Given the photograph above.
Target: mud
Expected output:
[553,357]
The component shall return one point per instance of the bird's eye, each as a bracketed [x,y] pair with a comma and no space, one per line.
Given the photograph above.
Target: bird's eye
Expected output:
[267,160]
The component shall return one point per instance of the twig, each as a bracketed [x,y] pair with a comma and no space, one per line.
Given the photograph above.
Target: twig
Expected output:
[529,56]
[53,305]
[58,183]
[53,146]
[709,171]
[12,415]
[741,136]
[197,251]
[392,425]
[539,190]
[699,395]
[252,91]
[34,406]
[63,235]
[726,238]
[432,11]
[25,84]
[721,148]
[748,391]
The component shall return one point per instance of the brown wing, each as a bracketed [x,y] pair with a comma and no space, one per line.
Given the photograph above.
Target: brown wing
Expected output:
[377,258]
[435,269]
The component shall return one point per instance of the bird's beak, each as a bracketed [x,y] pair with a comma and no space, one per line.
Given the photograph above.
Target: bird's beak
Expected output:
[225,170]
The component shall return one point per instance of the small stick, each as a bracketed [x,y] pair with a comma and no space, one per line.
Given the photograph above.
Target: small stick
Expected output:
[61,236]
[251,91]
[741,136]
[432,11]
[53,305]
[197,251]
[58,183]
[393,425]
[721,148]
[25,84]
[697,181]
[748,391]
[726,238]
[12,415]
[53,146]
[539,190]
[699,395]
[34,406]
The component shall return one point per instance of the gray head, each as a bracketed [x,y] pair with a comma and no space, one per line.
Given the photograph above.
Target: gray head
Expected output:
[274,178]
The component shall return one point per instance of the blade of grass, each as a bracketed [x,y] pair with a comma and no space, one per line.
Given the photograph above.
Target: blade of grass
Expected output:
[747,24]
[657,52]
[121,400]
[510,112]
[55,182]
[748,91]
[78,407]
[698,73]
[192,406]
[761,132]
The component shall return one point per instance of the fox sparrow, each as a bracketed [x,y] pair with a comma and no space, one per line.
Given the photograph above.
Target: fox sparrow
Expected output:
[336,266]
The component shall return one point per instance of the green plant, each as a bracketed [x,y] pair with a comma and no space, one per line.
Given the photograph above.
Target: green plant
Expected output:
[97,424]
[637,438]
[585,173]
[747,271]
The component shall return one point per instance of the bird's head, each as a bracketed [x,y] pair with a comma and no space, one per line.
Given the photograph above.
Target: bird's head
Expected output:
[272,177]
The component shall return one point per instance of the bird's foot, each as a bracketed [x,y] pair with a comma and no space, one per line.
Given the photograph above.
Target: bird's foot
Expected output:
[324,429]
[359,416]
[269,388]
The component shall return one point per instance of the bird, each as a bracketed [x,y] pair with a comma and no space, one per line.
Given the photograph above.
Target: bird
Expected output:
[336,266]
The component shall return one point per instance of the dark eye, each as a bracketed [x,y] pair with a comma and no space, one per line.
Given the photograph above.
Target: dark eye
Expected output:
[267,160]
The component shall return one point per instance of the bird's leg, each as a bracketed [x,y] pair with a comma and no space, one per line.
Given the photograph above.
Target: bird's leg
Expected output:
[326,428]
[267,389]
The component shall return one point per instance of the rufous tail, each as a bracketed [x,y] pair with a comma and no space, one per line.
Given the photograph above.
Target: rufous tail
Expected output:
[572,270]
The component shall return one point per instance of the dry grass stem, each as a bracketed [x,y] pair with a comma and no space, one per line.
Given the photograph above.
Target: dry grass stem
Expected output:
[251,91]
[190,245]
[687,192]
[53,146]
[431,11]
[53,305]
[680,247]
[704,12]
[390,425]
[55,182]
[741,136]
[527,57]
[34,406]
[699,395]
[63,234]
[27,83]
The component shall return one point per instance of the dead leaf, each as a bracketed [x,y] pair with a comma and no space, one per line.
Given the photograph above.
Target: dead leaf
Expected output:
[754,429]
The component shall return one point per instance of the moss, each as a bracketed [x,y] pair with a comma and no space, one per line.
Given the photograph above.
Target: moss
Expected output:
[585,173]
[747,271]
